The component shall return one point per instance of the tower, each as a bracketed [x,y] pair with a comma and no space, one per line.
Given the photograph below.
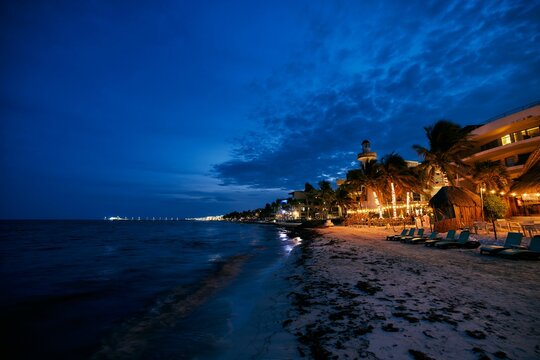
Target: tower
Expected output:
[366,153]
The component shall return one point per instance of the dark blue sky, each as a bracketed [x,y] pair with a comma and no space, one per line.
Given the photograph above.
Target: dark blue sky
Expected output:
[189,108]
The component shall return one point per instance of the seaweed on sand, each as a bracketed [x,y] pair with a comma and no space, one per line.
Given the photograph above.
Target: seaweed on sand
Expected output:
[367,287]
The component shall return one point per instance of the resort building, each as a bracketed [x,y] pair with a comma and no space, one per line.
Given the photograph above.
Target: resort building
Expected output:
[298,207]
[511,139]
[508,139]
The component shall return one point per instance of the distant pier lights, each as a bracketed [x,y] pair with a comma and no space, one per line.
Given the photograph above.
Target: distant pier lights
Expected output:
[138,218]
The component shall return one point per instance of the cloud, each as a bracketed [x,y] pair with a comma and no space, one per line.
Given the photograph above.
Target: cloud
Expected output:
[454,61]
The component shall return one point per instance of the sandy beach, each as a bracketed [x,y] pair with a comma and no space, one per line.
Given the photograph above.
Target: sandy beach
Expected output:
[356,295]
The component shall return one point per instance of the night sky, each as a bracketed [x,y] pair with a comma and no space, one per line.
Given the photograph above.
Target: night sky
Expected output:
[191,108]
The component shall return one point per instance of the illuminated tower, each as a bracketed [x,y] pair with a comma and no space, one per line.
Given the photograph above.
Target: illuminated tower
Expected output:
[366,153]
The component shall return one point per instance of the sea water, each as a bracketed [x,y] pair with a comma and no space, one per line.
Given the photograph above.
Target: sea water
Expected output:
[132,289]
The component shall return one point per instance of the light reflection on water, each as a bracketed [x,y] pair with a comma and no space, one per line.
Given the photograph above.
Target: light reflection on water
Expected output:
[289,243]
[215,258]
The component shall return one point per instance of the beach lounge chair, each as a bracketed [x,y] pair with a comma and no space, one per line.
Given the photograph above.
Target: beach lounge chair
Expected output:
[462,242]
[410,233]
[422,239]
[403,233]
[531,253]
[420,233]
[450,236]
[513,240]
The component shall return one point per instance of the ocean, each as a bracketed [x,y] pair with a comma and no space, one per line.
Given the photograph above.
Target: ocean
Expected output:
[136,289]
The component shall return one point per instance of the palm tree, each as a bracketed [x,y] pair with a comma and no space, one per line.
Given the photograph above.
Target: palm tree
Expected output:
[397,175]
[326,196]
[343,198]
[276,206]
[311,194]
[490,174]
[373,178]
[294,205]
[267,212]
[419,185]
[448,144]
[355,184]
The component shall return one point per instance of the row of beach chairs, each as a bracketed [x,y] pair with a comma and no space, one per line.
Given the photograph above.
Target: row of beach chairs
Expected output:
[511,248]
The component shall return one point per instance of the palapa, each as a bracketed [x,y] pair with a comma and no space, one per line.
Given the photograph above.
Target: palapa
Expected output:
[455,208]
[529,181]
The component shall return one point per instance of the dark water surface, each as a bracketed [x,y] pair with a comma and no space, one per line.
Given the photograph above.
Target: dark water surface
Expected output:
[131,289]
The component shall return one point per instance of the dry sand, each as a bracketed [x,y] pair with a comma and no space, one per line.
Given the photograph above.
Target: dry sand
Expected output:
[358,296]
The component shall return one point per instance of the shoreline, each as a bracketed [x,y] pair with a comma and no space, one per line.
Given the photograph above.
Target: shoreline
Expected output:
[130,340]
[356,295]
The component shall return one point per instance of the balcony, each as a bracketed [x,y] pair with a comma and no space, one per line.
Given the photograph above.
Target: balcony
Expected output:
[512,138]
[504,151]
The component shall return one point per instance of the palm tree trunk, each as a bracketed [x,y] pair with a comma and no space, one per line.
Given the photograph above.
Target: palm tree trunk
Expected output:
[390,218]
[408,203]
[377,202]
[394,213]
[494,228]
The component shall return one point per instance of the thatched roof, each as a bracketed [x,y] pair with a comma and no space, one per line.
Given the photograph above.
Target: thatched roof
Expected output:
[454,196]
[532,161]
[528,183]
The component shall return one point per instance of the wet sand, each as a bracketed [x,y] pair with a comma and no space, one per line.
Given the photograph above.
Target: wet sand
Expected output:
[355,295]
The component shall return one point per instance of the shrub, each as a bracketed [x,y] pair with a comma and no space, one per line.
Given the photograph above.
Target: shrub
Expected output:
[494,208]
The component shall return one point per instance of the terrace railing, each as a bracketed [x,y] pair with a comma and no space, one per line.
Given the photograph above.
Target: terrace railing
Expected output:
[512,111]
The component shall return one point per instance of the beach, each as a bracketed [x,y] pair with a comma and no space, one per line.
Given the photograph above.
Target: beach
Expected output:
[355,295]
[194,290]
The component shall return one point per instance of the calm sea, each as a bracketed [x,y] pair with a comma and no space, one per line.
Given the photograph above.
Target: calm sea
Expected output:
[131,289]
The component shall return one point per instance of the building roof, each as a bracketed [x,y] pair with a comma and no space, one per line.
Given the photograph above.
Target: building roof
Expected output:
[454,196]
[532,161]
[505,125]
[529,181]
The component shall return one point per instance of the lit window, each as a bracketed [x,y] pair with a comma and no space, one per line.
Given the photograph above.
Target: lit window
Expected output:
[532,132]
[506,140]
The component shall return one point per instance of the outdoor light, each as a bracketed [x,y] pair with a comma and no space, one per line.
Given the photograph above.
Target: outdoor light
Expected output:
[492,191]
[514,194]
[502,192]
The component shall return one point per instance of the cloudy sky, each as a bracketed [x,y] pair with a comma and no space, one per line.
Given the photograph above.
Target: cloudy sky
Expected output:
[190,108]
